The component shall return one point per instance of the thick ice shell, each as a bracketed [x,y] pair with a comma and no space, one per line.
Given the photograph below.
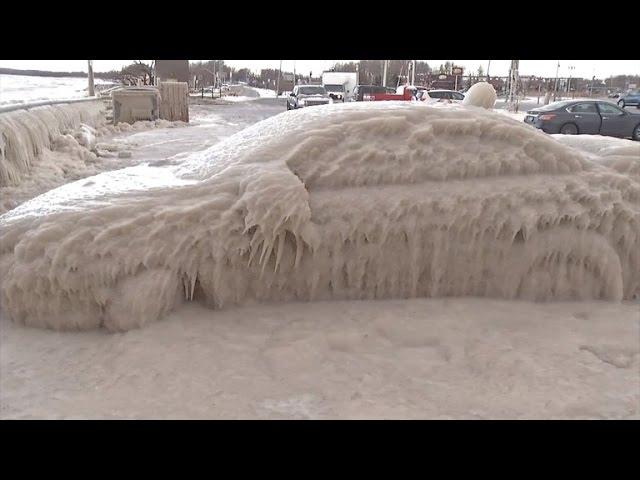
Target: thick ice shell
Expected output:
[350,201]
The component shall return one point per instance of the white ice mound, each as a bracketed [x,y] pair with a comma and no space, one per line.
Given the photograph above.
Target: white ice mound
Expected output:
[353,201]
[482,94]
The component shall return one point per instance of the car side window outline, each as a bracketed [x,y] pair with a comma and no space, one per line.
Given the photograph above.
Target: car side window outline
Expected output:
[584,108]
[608,109]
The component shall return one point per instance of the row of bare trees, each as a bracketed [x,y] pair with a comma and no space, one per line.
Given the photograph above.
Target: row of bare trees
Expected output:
[370,72]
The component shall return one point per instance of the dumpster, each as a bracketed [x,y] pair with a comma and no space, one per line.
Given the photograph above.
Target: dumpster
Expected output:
[131,104]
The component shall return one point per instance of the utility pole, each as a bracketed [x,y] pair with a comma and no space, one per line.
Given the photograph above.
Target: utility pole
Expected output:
[90,75]
[413,73]
[571,68]
[488,66]
[555,88]
[514,79]
[214,82]
[384,72]
[278,79]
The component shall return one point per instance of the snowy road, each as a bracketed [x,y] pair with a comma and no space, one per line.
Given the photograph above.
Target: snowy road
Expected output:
[210,122]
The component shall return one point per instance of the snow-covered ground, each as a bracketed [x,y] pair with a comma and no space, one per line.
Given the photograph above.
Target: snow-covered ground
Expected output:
[421,358]
[424,358]
[242,93]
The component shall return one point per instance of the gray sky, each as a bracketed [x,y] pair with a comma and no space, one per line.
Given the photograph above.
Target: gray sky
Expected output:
[547,68]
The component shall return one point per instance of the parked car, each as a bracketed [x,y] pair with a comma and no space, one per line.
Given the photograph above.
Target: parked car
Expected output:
[441,95]
[363,93]
[630,98]
[592,117]
[307,96]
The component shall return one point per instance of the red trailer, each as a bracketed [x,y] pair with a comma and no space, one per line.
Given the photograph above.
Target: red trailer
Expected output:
[406,95]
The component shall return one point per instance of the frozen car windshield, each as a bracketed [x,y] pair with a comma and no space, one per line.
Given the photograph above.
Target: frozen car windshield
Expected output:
[312,90]
[334,88]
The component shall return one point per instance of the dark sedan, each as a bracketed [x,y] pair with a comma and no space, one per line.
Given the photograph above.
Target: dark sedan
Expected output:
[629,99]
[592,117]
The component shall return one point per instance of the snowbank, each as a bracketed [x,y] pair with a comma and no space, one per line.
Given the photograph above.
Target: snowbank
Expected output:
[349,201]
[264,92]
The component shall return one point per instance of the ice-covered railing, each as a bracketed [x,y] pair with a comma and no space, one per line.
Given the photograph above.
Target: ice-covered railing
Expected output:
[41,103]
[27,129]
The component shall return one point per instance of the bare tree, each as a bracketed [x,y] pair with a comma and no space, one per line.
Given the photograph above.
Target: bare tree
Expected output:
[138,71]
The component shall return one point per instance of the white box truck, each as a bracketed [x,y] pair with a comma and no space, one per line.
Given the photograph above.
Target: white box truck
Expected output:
[340,85]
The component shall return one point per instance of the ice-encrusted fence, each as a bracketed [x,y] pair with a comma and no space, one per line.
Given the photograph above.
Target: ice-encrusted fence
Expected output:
[27,129]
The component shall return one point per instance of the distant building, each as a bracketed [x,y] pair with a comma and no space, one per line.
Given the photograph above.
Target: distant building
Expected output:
[172,70]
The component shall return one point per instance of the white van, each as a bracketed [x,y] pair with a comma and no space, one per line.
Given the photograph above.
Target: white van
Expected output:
[340,85]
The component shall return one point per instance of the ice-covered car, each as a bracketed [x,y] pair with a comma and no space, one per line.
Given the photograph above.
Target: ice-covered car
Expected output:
[308,96]
[359,200]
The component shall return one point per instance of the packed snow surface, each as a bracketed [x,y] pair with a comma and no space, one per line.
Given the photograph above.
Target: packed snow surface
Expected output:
[351,201]
[404,359]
